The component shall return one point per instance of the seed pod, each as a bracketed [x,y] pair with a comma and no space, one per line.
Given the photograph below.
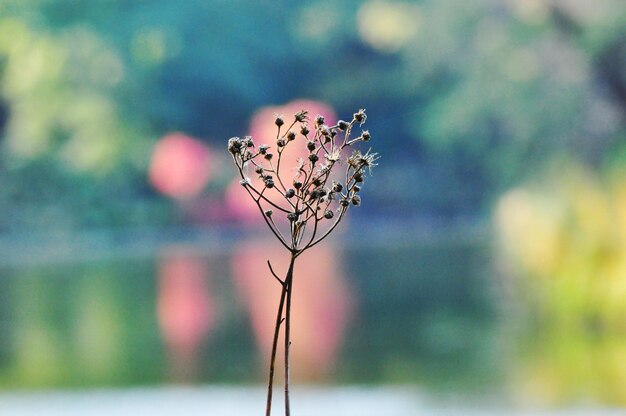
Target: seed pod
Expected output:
[356,200]
[313,157]
[291,135]
[290,193]
[234,145]
[269,213]
[360,116]
[268,156]
[342,125]
[301,115]
[310,145]
[297,184]
[279,121]
[337,187]
[304,130]
[328,214]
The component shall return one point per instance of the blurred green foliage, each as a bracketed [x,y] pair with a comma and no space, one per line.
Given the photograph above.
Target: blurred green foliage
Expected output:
[466,97]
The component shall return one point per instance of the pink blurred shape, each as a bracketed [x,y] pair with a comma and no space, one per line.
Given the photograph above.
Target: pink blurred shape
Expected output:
[181,166]
[263,130]
[321,303]
[186,312]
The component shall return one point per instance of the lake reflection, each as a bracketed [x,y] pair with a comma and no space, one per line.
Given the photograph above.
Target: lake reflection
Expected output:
[431,314]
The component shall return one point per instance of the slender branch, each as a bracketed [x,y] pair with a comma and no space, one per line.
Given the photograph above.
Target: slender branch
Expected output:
[260,195]
[339,217]
[274,274]
[279,321]
[269,224]
[289,289]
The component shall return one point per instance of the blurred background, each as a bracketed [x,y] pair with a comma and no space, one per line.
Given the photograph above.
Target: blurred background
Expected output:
[488,259]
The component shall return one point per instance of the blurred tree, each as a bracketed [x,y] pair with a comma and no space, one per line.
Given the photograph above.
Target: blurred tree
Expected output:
[469,96]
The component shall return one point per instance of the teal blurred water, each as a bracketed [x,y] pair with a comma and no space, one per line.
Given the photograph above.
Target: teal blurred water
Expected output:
[422,312]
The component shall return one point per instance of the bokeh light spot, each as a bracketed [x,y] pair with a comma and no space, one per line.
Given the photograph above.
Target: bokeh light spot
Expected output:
[181,166]
[388,26]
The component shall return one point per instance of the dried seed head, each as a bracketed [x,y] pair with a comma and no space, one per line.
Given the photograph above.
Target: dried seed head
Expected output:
[291,135]
[234,145]
[269,183]
[358,160]
[292,216]
[366,136]
[319,120]
[356,188]
[269,213]
[343,125]
[310,145]
[247,141]
[245,182]
[263,149]
[290,193]
[356,200]
[337,187]
[281,142]
[313,157]
[304,130]
[301,115]
[297,184]
[279,121]
[318,181]
[360,116]
[358,177]
[268,156]
[328,214]
[344,202]
[259,170]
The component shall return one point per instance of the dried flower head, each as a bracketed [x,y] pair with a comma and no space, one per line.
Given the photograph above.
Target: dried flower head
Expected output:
[317,201]
[301,115]
[360,116]
[358,160]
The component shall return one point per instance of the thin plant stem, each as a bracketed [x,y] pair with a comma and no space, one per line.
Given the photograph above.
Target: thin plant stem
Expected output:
[279,321]
[311,195]
[289,289]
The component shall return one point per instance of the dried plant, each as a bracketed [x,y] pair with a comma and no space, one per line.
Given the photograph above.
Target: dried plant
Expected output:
[303,206]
